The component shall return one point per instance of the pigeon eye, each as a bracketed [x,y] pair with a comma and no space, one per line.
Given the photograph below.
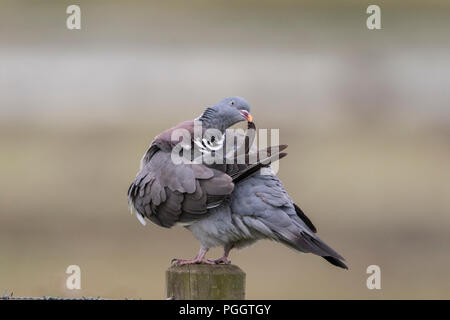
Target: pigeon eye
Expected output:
[232,102]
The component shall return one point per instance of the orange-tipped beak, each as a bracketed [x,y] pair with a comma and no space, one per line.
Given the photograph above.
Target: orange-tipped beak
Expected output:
[247,116]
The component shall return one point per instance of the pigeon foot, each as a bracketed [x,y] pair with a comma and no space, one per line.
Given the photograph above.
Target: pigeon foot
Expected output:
[222,260]
[181,262]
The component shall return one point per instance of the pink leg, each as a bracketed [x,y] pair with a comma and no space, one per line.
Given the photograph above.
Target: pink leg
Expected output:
[200,258]
[224,259]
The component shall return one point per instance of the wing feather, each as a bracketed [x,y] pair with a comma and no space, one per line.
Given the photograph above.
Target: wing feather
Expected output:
[167,193]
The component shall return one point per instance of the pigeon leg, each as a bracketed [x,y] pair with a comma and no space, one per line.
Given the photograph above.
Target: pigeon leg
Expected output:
[226,251]
[199,258]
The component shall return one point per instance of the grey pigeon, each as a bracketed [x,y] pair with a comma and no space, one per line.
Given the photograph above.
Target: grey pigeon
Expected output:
[228,205]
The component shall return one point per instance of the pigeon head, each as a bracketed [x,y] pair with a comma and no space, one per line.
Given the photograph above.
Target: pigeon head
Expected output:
[225,113]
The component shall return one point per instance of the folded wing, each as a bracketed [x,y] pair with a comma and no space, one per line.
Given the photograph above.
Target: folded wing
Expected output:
[167,193]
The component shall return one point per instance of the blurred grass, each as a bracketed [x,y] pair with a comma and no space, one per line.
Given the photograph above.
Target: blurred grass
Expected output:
[378,196]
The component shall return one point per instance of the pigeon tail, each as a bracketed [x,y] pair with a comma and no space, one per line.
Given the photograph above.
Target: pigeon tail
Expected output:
[305,219]
[336,262]
[312,244]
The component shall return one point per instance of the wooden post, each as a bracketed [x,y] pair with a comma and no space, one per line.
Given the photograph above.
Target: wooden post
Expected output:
[205,282]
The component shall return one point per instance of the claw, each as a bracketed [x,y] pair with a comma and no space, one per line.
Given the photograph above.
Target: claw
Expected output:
[181,262]
[222,260]
[200,258]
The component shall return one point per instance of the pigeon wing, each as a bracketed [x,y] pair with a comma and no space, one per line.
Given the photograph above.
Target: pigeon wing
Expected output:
[167,193]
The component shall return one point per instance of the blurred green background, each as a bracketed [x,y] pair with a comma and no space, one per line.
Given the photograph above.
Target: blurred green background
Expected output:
[366,115]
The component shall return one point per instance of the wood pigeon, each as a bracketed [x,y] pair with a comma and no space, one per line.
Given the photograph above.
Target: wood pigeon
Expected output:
[231,204]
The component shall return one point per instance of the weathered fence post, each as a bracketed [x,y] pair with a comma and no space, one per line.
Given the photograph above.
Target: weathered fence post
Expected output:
[205,282]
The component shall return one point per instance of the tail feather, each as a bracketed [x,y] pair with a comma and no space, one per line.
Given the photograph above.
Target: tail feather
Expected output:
[304,218]
[309,243]
[319,247]
[336,262]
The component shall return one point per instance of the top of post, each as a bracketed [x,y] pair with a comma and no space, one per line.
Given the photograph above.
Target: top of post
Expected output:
[207,269]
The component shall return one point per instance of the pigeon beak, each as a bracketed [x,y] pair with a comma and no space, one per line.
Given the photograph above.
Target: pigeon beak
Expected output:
[247,116]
